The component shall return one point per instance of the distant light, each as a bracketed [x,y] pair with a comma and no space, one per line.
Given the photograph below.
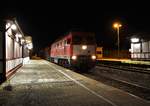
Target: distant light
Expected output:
[13,27]
[117,25]
[74,57]
[93,57]
[84,47]
[30,46]
[134,40]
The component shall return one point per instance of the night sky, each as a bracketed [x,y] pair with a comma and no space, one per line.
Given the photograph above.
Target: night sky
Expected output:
[46,21]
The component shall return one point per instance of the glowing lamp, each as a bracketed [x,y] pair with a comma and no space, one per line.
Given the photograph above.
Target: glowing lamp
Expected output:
[93,57]
[84,47]
[13,27]
[74,57]
[134,40]
[117,25]
[19,35]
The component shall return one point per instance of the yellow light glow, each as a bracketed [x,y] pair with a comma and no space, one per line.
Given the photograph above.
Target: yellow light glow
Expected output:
[117,25]
[84,47]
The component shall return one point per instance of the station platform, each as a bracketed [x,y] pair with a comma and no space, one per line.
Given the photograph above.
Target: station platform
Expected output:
[41,83]
[129,61]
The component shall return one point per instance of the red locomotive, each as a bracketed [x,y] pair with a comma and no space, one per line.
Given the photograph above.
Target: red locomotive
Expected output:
[77,49]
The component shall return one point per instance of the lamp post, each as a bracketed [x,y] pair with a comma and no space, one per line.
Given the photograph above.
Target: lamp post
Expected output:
[117,26]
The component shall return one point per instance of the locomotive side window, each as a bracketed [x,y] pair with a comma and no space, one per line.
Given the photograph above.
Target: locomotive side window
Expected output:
[60,44]
[68,41]
[65,42]
[57,45]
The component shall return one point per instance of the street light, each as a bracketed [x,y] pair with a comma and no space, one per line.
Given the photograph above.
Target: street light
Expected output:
[117,26]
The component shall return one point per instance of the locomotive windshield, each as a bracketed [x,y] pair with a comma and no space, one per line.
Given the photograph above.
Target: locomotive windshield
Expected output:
[85,39]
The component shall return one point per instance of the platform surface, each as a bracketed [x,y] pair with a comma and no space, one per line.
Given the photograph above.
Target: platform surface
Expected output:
[41,83]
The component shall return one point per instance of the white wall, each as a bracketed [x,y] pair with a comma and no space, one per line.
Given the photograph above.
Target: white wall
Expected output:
[140,50]
[13,53]
[10,64]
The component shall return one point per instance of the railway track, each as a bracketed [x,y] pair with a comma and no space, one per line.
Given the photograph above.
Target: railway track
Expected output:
[127,68]
[101,73]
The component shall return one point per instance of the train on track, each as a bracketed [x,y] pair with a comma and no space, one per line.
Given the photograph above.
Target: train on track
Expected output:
[75,49]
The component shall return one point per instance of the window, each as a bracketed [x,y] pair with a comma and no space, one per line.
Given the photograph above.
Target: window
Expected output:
[65,42]
[58,45]
[68,41]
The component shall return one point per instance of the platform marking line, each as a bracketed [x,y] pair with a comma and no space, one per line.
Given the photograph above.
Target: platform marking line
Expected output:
[82,85]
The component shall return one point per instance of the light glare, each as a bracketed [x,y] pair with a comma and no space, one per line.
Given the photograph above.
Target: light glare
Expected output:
[84,47]
[13,27]
[74,57]
[117,25]
[134,40]
[93,57]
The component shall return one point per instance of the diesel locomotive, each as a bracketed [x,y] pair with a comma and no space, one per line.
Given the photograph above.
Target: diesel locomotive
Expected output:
[75,49]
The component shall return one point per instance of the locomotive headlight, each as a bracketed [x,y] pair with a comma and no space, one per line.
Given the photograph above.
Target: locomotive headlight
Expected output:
[93,57]
[74,57]
[84,47]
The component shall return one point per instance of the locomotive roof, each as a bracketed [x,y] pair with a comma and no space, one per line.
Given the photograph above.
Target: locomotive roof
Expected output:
[73,33]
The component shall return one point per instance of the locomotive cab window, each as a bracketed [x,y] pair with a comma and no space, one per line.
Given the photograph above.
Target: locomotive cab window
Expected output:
[90,39]
[87,39]
[77,39]
[65,42]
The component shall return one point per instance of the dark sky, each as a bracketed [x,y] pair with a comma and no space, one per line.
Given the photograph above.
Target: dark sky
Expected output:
[46,21]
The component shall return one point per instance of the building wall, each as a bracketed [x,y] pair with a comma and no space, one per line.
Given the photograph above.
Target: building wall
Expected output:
[13,49]
[1,53]
[140,50]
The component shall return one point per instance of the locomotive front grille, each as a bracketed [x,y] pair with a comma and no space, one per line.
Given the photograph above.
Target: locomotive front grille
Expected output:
[83,58]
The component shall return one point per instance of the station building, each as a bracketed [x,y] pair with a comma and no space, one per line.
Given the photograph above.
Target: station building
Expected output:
[14,48]
[140,47]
